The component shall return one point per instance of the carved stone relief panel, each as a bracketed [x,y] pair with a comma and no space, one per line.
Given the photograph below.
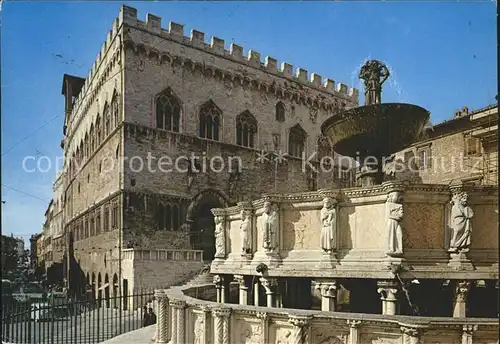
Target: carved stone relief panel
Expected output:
[485,226]
[297,233]
[374,335]
[328,334]
[248,332]
[439,337]
[420,223]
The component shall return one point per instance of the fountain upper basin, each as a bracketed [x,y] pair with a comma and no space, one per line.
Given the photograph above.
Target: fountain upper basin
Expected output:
[375,130]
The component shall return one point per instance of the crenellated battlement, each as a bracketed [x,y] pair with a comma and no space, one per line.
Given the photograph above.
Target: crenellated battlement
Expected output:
[90,85]
[216,45]
[128,15]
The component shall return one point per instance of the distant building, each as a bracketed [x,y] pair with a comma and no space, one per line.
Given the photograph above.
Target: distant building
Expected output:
[463,148]
[34,249]
[19,246]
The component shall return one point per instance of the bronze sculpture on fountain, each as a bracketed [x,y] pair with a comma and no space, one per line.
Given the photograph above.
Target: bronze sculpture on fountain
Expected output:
[374,73]
[376,130]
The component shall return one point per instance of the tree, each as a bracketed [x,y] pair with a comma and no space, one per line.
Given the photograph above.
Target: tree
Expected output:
[9,255]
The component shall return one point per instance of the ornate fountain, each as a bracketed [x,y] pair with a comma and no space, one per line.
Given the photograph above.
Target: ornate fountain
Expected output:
[371,133]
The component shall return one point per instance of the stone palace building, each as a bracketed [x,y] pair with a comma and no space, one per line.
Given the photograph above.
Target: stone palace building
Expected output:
[166,128]
[163,129]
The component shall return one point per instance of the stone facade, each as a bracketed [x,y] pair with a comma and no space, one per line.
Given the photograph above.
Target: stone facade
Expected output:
[463,148]
[153,92]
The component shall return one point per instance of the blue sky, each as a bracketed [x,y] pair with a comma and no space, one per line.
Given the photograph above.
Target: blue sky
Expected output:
[442,56]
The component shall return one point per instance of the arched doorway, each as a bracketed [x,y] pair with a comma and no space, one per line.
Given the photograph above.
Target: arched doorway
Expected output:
[94,296]
[201,220]
[115,291]
[106,290]
[99,290]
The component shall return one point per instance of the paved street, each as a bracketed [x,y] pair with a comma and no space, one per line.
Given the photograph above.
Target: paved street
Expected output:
[90,327]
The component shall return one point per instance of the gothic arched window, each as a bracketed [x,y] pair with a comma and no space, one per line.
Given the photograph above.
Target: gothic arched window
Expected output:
[296,141]
[168,217]
[246,128]
[210,119]
[86,147]
[175,218]
[98,131]
[77,157]
[168,111]
[280,112]
[82,153]
[115,109]
[107,120]
[92,139]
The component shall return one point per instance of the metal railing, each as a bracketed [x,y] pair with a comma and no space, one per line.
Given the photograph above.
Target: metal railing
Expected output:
[81,321]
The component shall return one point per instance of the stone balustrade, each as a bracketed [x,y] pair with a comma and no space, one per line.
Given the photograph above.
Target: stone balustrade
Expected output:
[186,319]
[359,245]
[171,254]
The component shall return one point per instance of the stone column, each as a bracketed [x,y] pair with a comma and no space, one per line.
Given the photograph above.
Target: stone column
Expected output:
[178,322]
[467,333]
[264,318]
[256,292]
[162,323]
[221,330]
[300,333]
[243,291]
[269,285]
[181,335]
[411,334]
[218,287]
[328,291]
[388,294]
[207,326]
[460,302]
[353,331]
[173,310]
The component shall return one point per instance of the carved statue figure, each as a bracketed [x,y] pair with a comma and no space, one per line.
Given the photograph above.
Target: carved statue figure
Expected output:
[328,227]
[394,208]
[198,330]
[270,227]
[374,73]
[461,223]
[220,237]
[246,233]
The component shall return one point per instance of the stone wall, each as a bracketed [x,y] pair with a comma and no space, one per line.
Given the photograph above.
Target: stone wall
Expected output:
[465,147]
[161,62]
[99,255]
[204,322]
[449,160]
